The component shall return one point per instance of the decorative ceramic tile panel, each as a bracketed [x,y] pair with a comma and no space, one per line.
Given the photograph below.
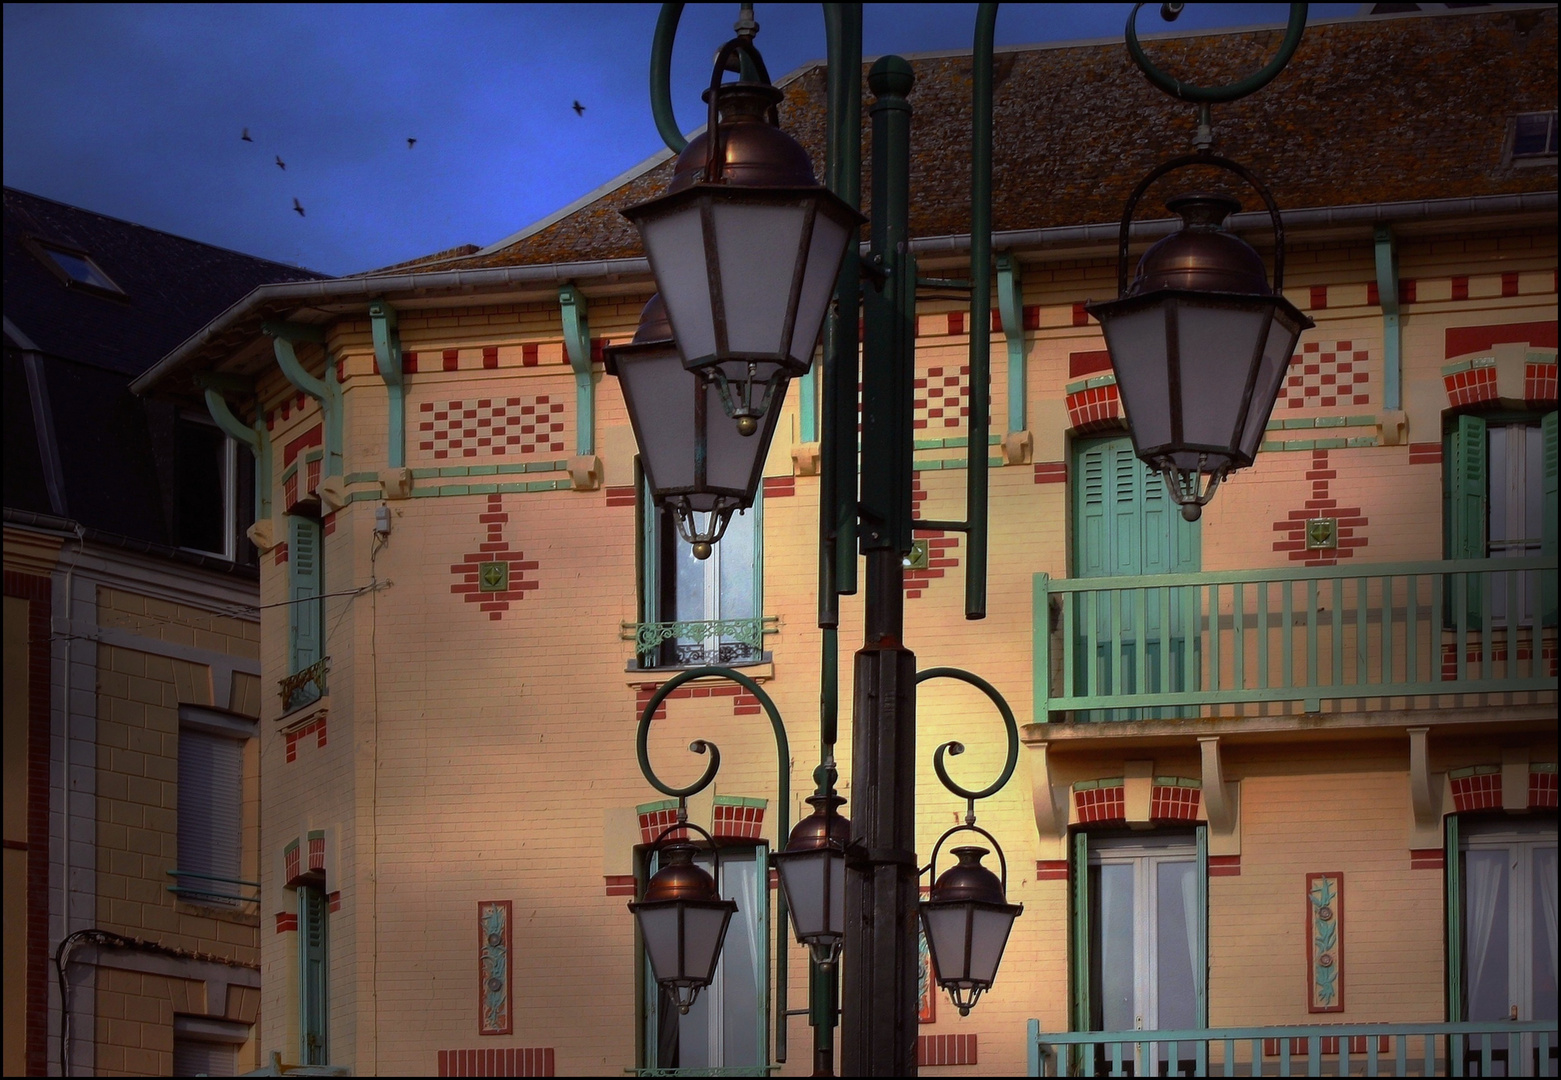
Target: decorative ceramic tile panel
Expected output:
[1325,934]
[495,1007]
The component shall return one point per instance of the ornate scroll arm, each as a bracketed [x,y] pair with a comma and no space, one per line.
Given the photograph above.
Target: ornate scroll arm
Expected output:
[957,748]
[1230,91]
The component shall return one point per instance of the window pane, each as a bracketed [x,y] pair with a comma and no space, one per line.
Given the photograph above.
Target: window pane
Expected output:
[1536,134]
[202,507]
[1544,934]
[736,552]
[1176,933]
[1114,944]
[1486,934]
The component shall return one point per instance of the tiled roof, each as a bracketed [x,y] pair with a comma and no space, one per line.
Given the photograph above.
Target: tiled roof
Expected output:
[1370,110]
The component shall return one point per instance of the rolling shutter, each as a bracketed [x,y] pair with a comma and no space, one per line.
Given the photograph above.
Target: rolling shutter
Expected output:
[304,587]
[211,773]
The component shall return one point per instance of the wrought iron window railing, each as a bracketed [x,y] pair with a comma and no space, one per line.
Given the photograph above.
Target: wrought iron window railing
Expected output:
[1181,645]
[698,642]
[304,686]
[216,892]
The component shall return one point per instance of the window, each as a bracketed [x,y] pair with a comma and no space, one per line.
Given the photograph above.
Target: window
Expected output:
[313,943]
[207,1046]
[720,596]
[1502,910]
[306,636]
[211,809]
[728,1027]
[73,266]
[1499,501]
[211,514]
[1140,917]
[1534,135]
[1125,525]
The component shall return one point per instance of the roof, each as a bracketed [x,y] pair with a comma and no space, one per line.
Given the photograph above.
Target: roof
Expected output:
[1371,109]
[78,444]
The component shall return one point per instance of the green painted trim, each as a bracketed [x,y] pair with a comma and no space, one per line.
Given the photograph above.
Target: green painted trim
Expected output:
[326,391]
[653,807]
[387,355]
[739,800]
[1010,304]
[316,454]
[290,471]
[1354,443]
[1089,384]
[577,343]
[360,478]
[291,847]
[807,406]
[1306,423]
[959,442]
[1469,365]
[1309,573]
[316,834]
[1330,421]
[1392,332]
[1473,770]
[1540,356]
[1092,785]
[1542,766]
[448,471]
[1178,782]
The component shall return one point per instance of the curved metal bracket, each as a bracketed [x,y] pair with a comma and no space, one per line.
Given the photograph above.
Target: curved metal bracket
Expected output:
[957,748]
[1230,91]
[1214,161]
[932,864]
[713,156]
[661,77]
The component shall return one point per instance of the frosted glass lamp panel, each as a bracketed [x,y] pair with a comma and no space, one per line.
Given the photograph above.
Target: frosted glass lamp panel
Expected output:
[757,251]
[818,284]
[675,245]
[837,893]
[803,877]
[704,928]
[988,936]
[946,939]
[1117,948]
[659,928]
[660,394]
[1278,350]
[1136,341]
[1175,943]
[732,459]
[1217,344]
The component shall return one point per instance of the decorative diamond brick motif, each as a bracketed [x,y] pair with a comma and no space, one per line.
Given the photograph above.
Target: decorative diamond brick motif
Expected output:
[491,427]
[942,398]
[494,575]
[1328,375]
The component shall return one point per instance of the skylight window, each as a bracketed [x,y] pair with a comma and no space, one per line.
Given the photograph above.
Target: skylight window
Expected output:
[1535,135]
[75,267]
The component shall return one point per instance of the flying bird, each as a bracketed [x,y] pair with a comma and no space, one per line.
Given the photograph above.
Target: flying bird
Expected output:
[579,109]
[245,136]
[280,164]
[298,206]
[411,143]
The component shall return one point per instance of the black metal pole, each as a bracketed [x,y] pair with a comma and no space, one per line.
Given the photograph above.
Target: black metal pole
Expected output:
[878,1030]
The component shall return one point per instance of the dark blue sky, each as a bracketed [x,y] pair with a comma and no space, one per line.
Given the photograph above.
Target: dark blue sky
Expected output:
[136,110]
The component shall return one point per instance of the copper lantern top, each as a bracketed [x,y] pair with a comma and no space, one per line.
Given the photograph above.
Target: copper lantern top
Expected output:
[679,878]
[968,881]
[1201,255]
[754,153]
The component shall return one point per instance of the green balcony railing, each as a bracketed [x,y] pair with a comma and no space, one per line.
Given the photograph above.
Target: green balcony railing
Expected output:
[1187,645]
[700,642]
[1489,1048]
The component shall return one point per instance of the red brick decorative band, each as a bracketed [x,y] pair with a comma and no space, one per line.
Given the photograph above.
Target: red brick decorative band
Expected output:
[1427,859]
[1051,472]
[1542,790]
[286,921]
[1097,408]
[1174,803]
[1051,869]
[779,487]
[946,1050]
[619,884]
[1224,865]
[620,496]
[1102,804]
[502,1061]
[1481,791]
[738,822]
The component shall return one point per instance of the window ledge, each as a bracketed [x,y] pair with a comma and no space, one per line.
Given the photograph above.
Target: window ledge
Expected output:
[762,672]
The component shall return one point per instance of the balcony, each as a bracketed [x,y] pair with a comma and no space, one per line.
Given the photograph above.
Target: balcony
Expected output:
[695,643]
[1291,641]
[1489,1048]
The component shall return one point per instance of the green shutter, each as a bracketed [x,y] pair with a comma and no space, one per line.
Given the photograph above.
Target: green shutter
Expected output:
[1078,941]
[1201,963]
[1548,541]
[304,588]
[312,1008]
[1466,508]
[1452,861]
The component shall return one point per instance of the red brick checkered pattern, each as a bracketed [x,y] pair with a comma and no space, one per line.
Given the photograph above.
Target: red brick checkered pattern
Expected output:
[1321,504]
[652,823]
[1102,804]
[294,737]
[1174,803]
[619,884]
[286,921]
[739,822]
[491,427]
[496,549]
[497,1061]
[1542,790]
[1482,791]
[1327,375]
[1427,859]
[1097,408]
[1539,382]
[942,398]
[946,1050]
[1471,385]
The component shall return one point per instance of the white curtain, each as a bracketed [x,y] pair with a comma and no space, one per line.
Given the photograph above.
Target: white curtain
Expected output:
[1190,914]
[1485,872]
[744,879]
[1545,884]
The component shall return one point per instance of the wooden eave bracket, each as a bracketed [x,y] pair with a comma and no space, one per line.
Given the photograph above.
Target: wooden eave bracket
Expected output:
[1221,800]
[1425,792]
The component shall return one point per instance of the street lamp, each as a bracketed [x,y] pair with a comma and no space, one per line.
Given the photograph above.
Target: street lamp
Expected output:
[697,464]
[745,246]
[1199,342]
[683,921]
[967,917]
[813,872]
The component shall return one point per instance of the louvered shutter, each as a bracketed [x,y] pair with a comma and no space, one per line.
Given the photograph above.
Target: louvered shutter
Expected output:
[1548,540]
[312,974]
[1079,959]
[193,1058]
[211,775]
[304,585]
[1468,487]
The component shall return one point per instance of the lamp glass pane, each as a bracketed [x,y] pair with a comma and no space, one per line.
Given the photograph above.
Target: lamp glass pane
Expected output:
[1136,341]
[703,930]
[733,460]
[837,893]
[757,247]
[659,928]
[675,245]
[1218,339]
[989,933]
[1283,333]
[803,876]
[818,284]
[946,938]
[659,392]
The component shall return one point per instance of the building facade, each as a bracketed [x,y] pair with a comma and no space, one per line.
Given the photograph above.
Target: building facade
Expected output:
[132,675]
[1292,764]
